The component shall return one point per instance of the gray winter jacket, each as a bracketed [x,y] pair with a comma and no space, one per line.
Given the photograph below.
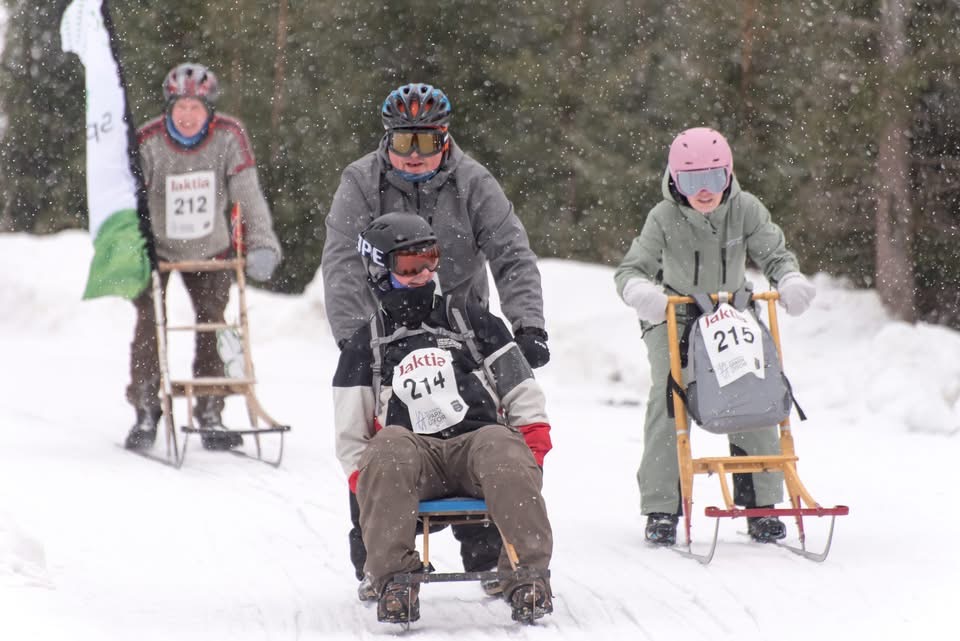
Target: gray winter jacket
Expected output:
[470,215]
[227,155]
[691,253]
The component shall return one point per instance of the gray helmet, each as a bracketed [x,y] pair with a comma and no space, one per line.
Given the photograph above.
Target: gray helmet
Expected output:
[416,105]
[190,80]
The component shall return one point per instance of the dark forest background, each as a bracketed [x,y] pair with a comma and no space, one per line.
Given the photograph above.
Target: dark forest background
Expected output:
[844,115]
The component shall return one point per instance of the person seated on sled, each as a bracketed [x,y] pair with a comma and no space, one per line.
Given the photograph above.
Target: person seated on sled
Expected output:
[697,241]
[434,400]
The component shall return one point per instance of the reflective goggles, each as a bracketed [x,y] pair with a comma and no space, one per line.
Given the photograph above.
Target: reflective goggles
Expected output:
[427,143]
[410,262]
[691,183]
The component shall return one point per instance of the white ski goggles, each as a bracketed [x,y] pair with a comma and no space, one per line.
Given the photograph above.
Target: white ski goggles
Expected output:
[690,183]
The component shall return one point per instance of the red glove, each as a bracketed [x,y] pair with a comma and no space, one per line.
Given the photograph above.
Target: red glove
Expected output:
[352,480]
[537,436]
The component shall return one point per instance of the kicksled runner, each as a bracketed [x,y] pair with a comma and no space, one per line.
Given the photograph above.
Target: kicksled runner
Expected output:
[238,378]
[729,353]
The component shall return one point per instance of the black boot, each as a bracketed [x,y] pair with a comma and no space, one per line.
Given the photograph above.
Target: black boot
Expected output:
[399,603]
[214,435]
[144,432]
[766,529]
[530,601]
[661,528]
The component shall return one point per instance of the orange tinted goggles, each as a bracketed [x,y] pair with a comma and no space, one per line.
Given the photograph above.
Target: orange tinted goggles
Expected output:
[427,143]
[410,262]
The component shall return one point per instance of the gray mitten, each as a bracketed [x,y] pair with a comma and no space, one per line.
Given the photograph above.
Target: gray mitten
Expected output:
[796,293]
[261,261]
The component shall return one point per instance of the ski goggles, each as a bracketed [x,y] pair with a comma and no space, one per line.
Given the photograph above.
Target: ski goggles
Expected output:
[412,261]
[427,143]
[690,183]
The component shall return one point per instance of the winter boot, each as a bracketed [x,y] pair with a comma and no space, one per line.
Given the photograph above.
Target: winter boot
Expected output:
[661,528]
[399,603]
[530,601]
[144,431]
[214,436]
[766,529]
[365,591]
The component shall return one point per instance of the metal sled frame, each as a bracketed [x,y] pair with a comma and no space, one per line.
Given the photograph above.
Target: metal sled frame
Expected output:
[785,462]
[190,388]
[454,511]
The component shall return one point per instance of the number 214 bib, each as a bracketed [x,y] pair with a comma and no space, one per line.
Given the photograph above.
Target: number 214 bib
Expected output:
[426,383]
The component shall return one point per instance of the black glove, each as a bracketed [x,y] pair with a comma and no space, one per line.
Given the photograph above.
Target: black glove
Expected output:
[532,341]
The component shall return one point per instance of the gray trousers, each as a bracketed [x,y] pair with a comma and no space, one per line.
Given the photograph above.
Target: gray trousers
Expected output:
[659,473]
[209,293]
[399,468]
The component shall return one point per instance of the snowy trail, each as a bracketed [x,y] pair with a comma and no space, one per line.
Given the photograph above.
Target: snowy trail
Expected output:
[98,544]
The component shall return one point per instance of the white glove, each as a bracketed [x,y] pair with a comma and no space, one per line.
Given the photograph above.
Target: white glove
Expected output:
[796,292]
[261,261]
[648,299]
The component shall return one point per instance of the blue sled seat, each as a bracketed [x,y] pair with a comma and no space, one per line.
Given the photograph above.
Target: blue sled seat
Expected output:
[451,506]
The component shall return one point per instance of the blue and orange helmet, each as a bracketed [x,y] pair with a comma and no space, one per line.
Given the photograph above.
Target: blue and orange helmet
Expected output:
[416,106]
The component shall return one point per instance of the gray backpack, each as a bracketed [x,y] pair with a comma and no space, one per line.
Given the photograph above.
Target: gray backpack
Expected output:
[758,397]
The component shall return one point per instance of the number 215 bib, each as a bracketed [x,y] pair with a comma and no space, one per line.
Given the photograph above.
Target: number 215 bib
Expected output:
[734,343]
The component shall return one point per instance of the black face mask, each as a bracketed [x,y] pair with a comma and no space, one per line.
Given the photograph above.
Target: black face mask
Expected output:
[410,306]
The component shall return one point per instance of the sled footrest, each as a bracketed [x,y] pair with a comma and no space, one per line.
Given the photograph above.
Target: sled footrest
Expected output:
[250,430]
[839,510]
[522,574]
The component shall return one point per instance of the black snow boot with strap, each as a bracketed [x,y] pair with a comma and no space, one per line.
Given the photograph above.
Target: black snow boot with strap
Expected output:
[766,529]
[661,528]
[214,435]
[144,432]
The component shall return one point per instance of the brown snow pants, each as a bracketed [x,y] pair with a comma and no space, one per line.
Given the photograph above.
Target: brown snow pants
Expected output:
[209,293]
[399,468]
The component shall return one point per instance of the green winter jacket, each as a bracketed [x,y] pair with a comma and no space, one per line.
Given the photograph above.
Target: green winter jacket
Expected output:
[691,253]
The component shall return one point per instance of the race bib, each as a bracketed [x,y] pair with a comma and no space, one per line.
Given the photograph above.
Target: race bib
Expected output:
[191,201]
[426,383]
[734,343]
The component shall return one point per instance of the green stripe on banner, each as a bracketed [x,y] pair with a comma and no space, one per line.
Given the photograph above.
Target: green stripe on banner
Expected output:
[120,265]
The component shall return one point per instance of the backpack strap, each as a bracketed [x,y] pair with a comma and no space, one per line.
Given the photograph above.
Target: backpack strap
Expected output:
[704,302]
[742,297]
[464,331]
[376,331]
[793,398]
[377,343]
[673,387]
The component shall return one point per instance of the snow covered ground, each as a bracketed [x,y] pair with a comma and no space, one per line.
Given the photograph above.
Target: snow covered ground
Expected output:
[97,544]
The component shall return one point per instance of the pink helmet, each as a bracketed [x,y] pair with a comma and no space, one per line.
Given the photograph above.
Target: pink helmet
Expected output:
[697,149]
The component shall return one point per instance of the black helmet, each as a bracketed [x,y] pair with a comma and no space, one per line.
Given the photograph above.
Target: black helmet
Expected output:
[379,243]
[416,105]
[190,80]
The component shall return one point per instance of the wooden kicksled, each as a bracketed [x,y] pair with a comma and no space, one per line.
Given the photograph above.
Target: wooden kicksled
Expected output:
[261,423]
[802,502]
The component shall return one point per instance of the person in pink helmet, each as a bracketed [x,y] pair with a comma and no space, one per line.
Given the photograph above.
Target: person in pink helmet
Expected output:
[697,240]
